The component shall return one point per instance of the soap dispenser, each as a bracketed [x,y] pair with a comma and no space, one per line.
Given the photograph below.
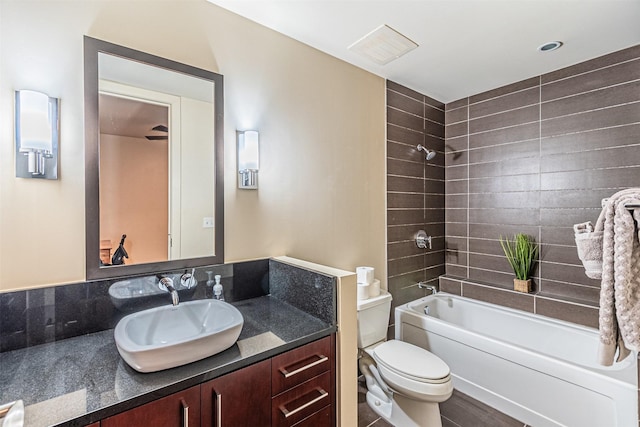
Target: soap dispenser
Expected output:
[217,289]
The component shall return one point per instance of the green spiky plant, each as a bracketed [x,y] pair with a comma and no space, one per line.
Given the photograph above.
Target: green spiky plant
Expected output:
[521,252]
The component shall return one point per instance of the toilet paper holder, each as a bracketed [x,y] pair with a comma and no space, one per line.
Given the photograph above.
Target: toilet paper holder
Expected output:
[423,241]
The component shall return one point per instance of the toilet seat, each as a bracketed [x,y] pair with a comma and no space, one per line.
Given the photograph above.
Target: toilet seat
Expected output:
[413,371]
[411,361]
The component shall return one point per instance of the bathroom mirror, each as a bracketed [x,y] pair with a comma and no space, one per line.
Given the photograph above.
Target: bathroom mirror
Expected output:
[153,163]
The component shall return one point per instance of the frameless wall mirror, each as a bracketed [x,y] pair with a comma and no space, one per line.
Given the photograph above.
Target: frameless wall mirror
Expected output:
[153,163]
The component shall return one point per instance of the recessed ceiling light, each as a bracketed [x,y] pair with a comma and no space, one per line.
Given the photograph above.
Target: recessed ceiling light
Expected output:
[383,45]
[549,46]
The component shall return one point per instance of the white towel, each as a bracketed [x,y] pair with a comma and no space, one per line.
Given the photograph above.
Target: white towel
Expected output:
[589,245]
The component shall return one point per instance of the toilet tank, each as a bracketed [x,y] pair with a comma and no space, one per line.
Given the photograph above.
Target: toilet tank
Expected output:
[373,319]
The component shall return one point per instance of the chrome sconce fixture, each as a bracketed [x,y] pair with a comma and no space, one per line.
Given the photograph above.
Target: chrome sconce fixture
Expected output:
[248,159]
[37,134]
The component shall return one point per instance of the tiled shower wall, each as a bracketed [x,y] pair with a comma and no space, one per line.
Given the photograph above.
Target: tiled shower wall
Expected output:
[537,157]
[415,191]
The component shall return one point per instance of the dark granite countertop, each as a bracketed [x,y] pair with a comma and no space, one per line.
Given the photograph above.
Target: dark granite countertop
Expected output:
[81,380]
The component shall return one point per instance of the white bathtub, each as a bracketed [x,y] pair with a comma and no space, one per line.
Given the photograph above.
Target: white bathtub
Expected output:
[538,370]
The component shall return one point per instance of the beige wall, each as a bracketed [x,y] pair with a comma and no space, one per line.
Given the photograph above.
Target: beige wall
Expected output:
[321,121]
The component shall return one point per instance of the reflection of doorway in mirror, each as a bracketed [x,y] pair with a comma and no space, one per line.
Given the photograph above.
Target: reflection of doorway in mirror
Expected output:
[181,128]
[134,177]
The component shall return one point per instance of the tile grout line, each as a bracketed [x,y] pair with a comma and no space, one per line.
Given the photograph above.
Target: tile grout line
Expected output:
[374,422]
[468,187]
[424,174]
[535,299]
[571,76]
[562,98]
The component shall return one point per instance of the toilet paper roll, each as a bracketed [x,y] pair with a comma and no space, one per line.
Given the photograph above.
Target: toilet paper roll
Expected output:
[365,274]
[363,291]
[374,288]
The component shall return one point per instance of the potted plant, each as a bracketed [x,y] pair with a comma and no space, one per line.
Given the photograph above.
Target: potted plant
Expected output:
[521,252]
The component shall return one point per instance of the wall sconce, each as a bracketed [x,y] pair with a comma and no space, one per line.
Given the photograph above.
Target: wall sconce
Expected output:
[37,134]
[248,158]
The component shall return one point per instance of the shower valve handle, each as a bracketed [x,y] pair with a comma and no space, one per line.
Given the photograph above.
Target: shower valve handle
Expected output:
[422,240]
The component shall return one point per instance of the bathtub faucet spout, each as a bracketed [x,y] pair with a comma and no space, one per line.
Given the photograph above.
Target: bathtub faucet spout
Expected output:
[432,288]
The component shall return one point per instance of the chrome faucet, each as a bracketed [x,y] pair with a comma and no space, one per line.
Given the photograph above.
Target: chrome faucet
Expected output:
[432,288]
[188,280]
[166,284]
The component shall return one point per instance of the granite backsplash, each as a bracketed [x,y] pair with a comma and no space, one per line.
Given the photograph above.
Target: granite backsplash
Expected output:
[307,290]
[37,316]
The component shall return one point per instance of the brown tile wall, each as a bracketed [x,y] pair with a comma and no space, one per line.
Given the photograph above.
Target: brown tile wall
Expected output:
[415,192]
[536,157]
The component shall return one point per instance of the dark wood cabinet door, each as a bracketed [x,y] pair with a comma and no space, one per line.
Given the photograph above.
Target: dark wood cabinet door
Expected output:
[239,399]
[180,409]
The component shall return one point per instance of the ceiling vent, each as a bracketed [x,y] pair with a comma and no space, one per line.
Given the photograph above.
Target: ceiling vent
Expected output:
[383,45]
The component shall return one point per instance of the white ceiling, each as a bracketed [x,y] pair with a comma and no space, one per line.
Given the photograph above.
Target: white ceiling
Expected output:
[465,46]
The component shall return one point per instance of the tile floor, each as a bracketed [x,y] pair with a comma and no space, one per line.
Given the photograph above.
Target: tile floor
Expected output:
[459,411]
[366,416]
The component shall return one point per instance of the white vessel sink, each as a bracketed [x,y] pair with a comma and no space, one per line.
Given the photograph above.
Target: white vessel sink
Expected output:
[166,337]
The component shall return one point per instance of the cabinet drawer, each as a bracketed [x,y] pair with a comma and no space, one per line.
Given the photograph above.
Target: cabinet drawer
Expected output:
[322,418]
[299,365]
[298,403]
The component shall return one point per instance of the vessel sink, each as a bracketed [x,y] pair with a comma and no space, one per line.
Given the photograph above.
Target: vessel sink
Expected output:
[167,336]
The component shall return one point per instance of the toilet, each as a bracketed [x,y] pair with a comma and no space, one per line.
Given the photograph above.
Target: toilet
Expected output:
[405,383]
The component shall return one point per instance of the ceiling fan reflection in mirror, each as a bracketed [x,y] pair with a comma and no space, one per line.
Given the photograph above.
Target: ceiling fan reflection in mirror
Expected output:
[158,128]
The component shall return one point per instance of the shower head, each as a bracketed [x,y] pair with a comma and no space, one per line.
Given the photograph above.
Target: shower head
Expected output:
[430,153]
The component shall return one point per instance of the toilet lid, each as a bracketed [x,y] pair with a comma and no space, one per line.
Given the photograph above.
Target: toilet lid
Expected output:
[412,361]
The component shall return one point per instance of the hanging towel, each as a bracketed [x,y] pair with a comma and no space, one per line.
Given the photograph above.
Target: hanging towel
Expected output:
[620,285]
[589,244]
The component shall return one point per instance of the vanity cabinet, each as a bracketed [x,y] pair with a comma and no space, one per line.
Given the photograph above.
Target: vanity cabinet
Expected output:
[296,388]
[241,398]
[177,410]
